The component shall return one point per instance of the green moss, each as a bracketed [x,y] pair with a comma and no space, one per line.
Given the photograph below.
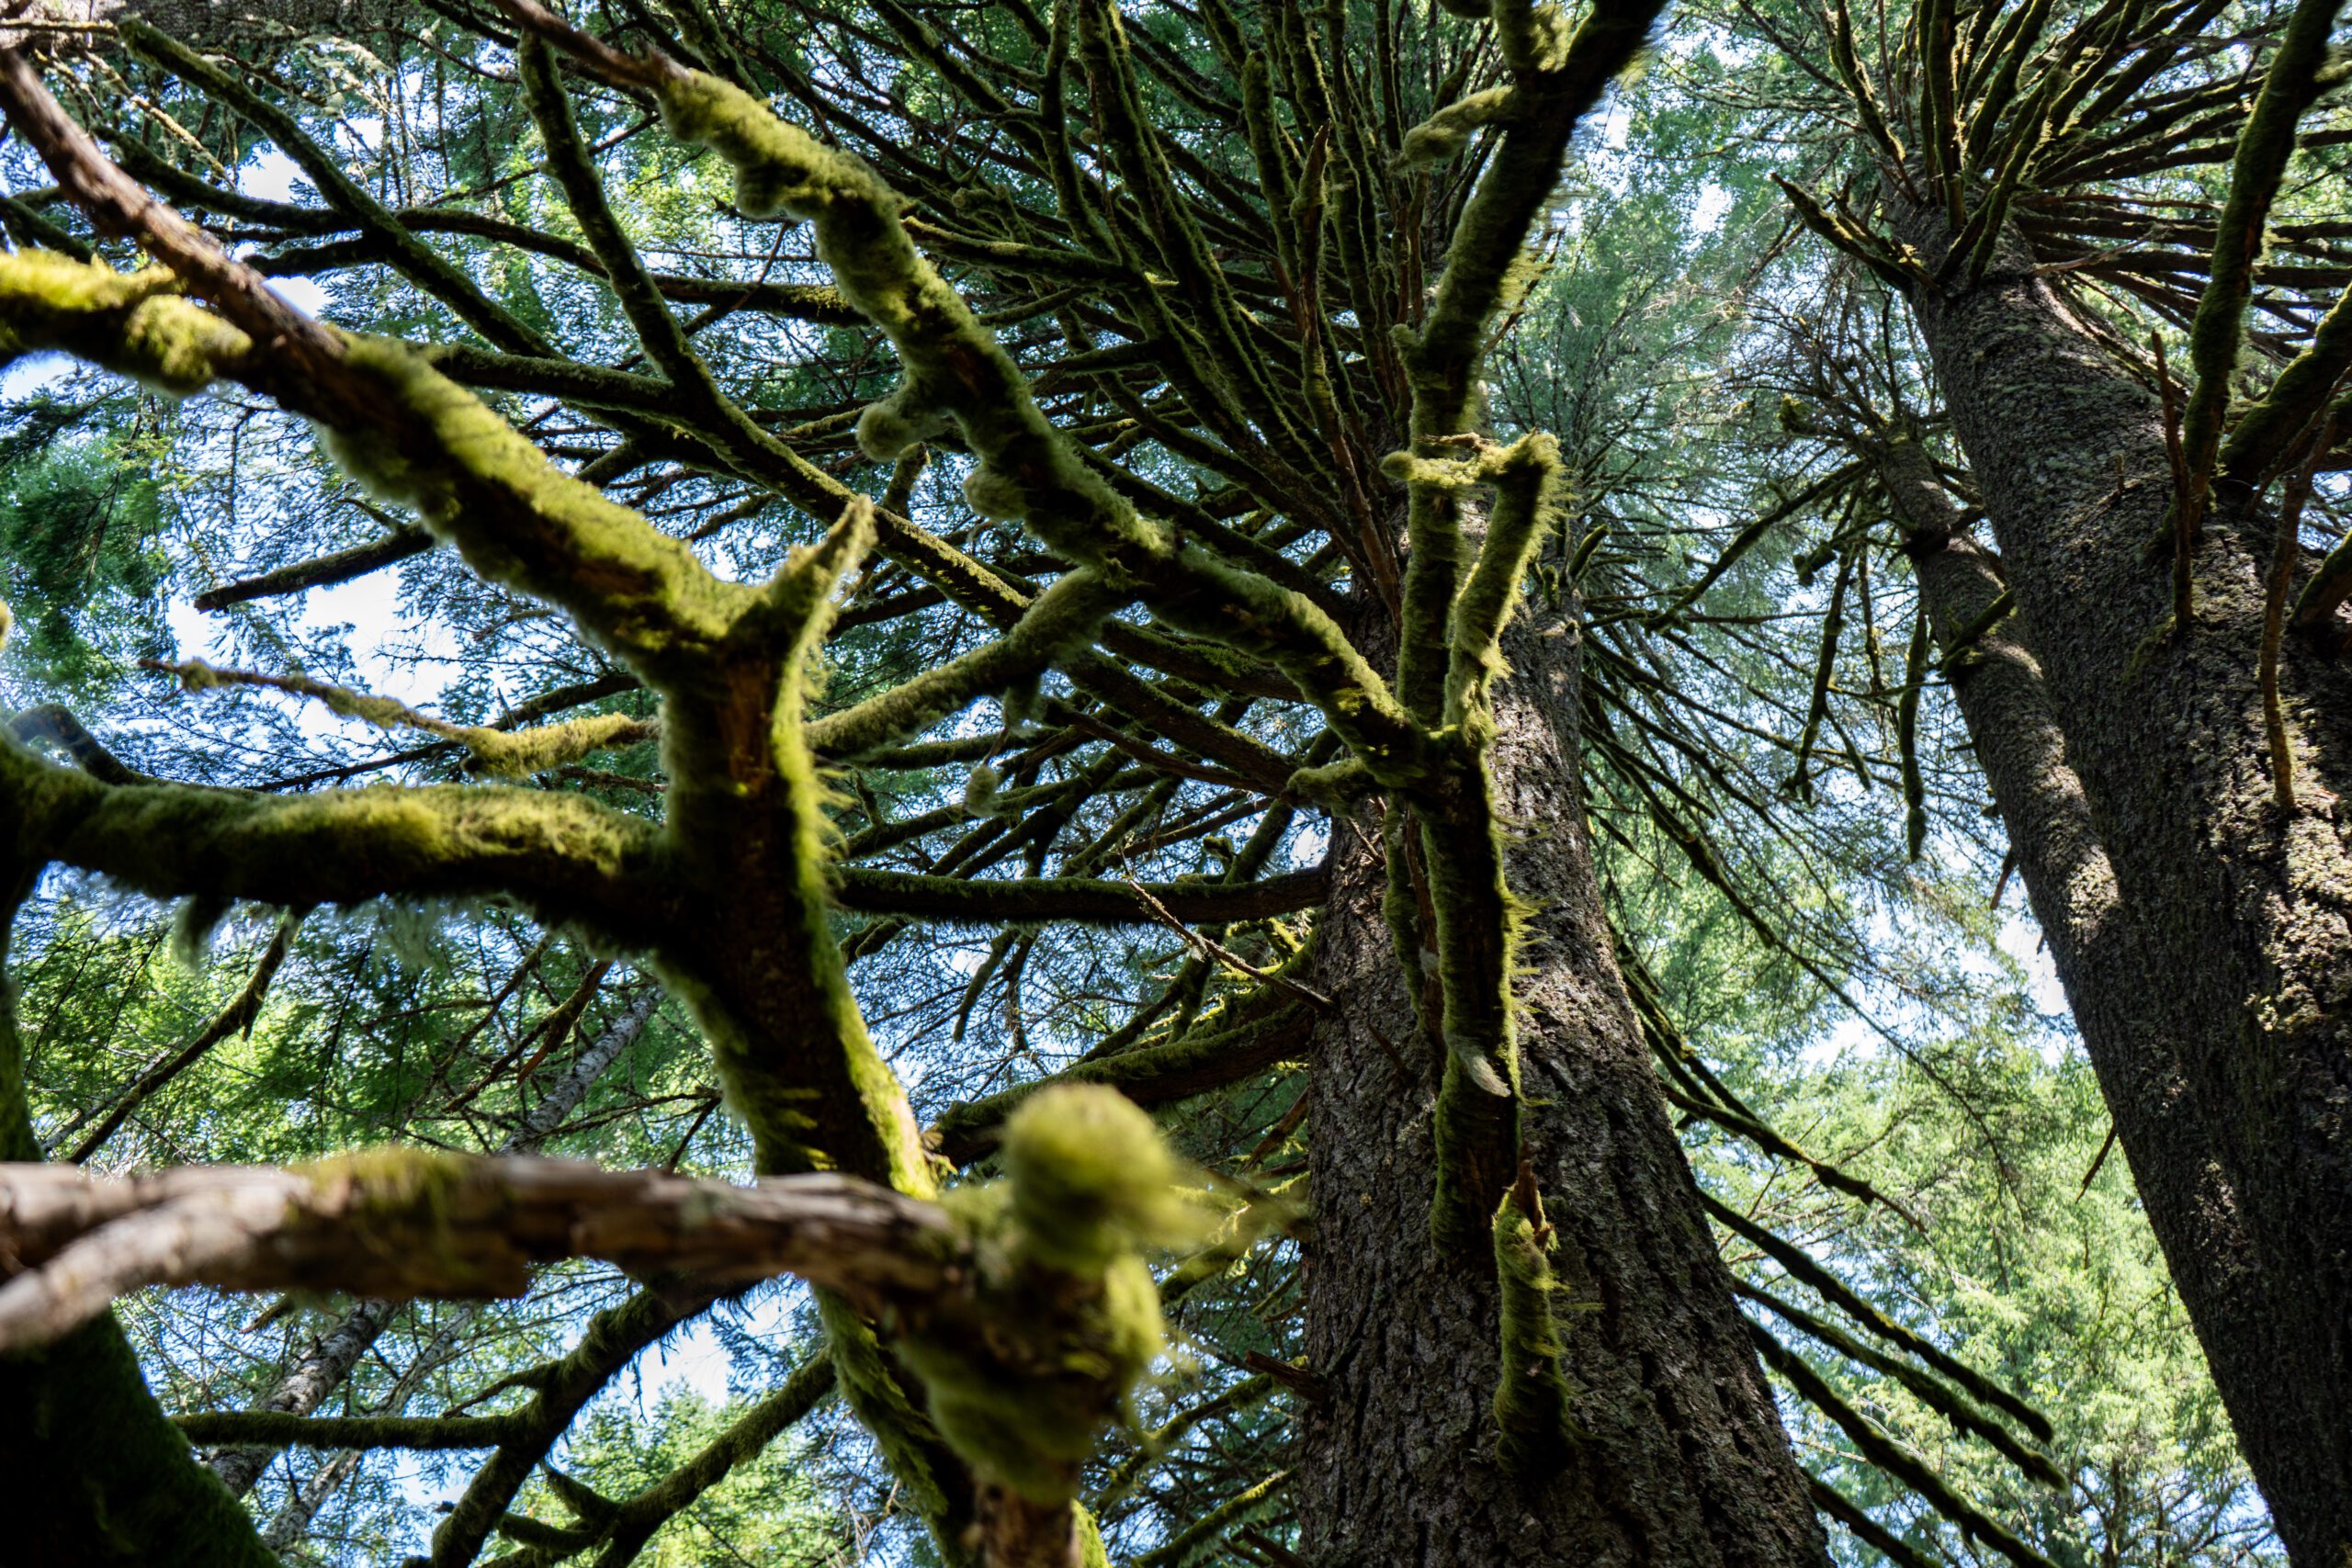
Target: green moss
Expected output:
[132,323]
[1444,134]
[1025,1405]
[192,928]
[981,790]
[1531,1399]
[1064,1316]
[910,1443]
[390,1176]
[515,755]
[518,520]
[1092,1179]
[1091,1551]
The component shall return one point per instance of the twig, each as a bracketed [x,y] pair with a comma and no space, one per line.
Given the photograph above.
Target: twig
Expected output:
[1219,953]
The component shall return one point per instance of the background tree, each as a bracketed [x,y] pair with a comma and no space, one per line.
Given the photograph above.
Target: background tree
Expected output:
[2051,192]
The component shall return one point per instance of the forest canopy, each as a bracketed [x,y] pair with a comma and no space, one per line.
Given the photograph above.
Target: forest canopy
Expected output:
[1039,783]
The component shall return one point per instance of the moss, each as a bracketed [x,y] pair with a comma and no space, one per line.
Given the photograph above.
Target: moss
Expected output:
[1065,1316]
[1533,1397]
[1091,1551]
[1092,1178]
[193,927]
[885,434]
[981,789]
[132,323]
[994,495]
[1337,787]
[1026,1411]
[390,1176]
[515,754]
[518,520]
[1444,134]
[908,1440]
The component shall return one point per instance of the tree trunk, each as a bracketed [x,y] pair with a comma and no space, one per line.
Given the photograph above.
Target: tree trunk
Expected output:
[2228,1073]
[1680,1458]
[2104,956]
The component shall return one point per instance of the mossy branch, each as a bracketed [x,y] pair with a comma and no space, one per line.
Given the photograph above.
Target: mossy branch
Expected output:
[1200,1061]
[2268,429]
[564,856]
[1893,1457]
[1534,1434]
[1083,899]
[1896,270]
[280,1428]
[1945,1401]
[503,753]
[1794,1260]
[955,370]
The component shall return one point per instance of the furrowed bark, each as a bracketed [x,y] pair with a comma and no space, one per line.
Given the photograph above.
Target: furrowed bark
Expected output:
[1679,1457]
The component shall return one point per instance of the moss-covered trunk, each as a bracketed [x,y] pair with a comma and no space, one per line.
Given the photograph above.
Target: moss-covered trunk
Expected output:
[1680,1458]
[2228,1073]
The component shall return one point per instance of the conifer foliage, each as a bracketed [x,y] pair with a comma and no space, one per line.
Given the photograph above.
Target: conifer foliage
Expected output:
[1047,732]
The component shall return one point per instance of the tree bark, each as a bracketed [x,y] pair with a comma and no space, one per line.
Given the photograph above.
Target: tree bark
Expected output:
[2228,1073]
[1680,1459]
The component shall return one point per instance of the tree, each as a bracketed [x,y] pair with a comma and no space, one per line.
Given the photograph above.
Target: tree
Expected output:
[2043,186]
[725,894]
[1221,267]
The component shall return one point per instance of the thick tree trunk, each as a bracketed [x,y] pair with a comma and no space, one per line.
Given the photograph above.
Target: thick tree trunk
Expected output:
[1681,1458]
[2228,1074]
[2104,957]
